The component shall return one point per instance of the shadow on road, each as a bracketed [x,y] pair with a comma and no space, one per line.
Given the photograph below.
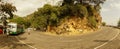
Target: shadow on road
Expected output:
[11,42]
[101,40]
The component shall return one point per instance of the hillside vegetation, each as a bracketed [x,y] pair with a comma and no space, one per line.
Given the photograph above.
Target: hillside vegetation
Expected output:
[119,23]
[72,16]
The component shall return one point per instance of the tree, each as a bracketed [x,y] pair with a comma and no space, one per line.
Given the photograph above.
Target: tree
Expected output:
[49,16]
[92,22]
[18,20]
[69,2]
[95,3]
[21,20]
[6,8]
[40,22]
[45,17]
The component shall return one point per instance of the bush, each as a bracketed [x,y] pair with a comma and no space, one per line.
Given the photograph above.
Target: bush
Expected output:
[119,23]
[82,11]
[103,23]
[39,22]
[92,22]
[51,15]
[48,15]
[18,20]
[91,10]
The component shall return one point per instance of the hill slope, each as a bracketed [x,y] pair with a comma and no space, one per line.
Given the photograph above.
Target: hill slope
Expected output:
[67,18]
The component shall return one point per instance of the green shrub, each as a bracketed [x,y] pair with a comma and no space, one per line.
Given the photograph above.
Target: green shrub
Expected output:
[92,22]
[80,11]
[50,15]
[91,10]
[103,23]
[119,23]
[39,22]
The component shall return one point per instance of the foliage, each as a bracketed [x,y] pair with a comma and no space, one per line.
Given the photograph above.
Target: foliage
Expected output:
[69,2]
[50,15]
[91,10]
[8,8]
[119,23]
[18,20]
[21,21]
[39,22]
[95,3]
[92,22]
[103,23]
[80,10]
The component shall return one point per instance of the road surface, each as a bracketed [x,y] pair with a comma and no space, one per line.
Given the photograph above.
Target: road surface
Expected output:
[106,38]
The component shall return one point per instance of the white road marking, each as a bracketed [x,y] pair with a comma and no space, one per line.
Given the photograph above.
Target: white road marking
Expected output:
[108,41]
[26,44]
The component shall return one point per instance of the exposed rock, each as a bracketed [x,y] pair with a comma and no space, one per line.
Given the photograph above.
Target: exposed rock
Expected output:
[71,25]
[75,25]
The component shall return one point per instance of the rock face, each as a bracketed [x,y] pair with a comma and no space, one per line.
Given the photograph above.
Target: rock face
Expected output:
[98,19]
[74,25]
[71,25]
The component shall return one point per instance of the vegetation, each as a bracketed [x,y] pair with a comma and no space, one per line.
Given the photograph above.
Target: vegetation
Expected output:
[6,8]
[119,23]
[21,21]
[103,23]
[49,15]
[92,22]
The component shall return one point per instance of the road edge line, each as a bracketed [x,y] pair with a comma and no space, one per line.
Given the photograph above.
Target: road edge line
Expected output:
[25,43]
[108,41]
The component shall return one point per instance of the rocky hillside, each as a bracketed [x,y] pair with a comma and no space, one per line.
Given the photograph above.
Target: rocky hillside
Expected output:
[70,16]
[75,25]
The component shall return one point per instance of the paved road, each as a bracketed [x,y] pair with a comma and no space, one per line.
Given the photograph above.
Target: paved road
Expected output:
[106,38]
[11,42]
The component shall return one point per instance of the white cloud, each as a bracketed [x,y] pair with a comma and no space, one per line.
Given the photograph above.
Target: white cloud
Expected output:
[26,7]
[104,9]
[110,11]
[115,5]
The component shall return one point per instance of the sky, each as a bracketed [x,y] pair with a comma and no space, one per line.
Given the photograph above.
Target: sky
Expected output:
[26,7]
[110,11]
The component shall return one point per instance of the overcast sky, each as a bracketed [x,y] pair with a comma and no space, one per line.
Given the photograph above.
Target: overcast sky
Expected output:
[26,7]
[110,11]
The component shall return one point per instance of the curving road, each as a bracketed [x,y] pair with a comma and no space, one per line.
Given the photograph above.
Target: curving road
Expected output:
[106,38]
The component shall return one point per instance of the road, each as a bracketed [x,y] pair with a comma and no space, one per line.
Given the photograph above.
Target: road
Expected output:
[11,42]
[106,38]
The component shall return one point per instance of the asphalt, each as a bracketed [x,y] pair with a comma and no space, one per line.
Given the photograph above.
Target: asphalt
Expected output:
[11,42]
[106,38]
